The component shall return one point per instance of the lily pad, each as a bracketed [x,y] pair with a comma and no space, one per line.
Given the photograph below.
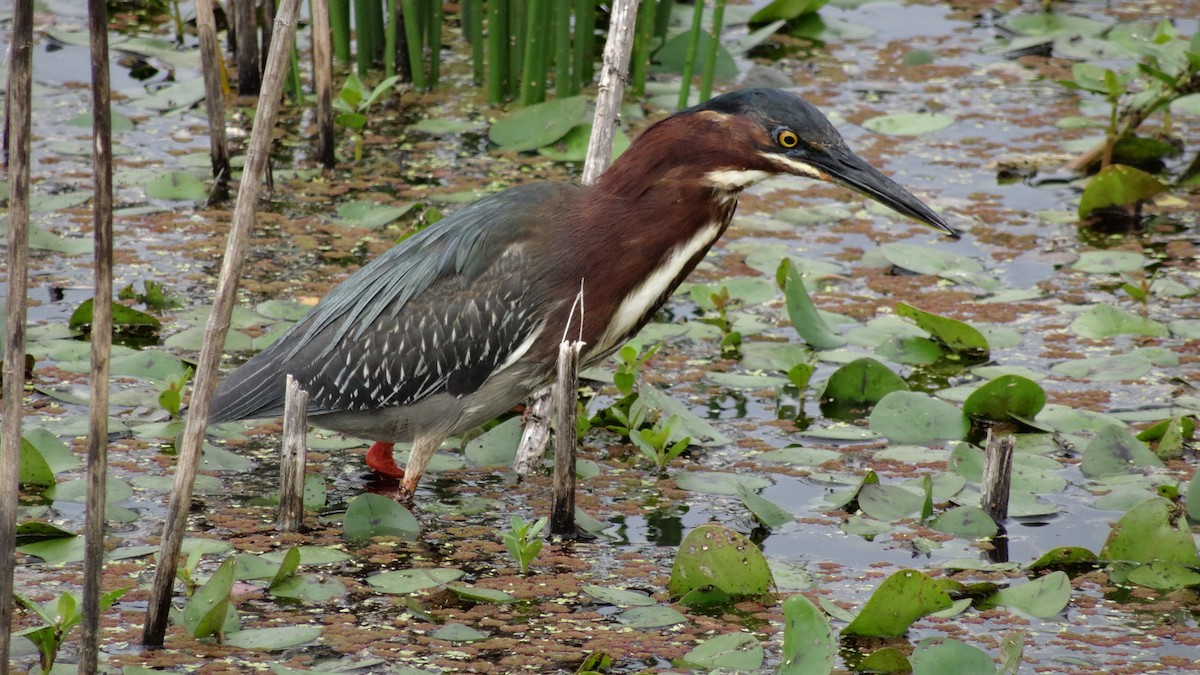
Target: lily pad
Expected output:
[1099,322]
[958,337]
[967,522]
[618,596]
[901,600]
[1115,451]
[537,125]
[862,382]
[657,616]
[1044,598]
[1006,397]
[809,646]
[1109,262]
[909,124]
[910,417]
[457,632]
[734,651]
[370,214]
[273,639]
[410,581]
[372,515]
[1118,185]
[947,656]
[177,186]
[1154,530]
[718,483]
[713,555]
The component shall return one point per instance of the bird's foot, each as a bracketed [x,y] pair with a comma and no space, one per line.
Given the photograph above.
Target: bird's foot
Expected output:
[381,461]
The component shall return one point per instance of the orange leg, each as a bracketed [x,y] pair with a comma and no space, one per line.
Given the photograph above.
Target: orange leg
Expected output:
[381,461]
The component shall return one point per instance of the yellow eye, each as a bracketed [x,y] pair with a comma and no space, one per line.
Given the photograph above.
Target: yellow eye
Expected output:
[787,138]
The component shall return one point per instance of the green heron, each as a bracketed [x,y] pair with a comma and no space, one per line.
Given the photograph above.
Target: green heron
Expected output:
[458,323]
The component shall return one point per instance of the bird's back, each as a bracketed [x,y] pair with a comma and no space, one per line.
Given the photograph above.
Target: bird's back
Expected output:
[437,314]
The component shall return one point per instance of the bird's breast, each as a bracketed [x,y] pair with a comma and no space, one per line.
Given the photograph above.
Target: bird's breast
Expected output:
[644,298]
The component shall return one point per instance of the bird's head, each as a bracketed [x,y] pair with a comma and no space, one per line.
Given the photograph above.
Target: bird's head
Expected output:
[737,139]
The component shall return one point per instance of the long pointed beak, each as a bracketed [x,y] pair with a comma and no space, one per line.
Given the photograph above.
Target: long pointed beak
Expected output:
[849,170]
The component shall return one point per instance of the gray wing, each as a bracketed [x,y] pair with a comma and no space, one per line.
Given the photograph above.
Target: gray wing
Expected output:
[438,313]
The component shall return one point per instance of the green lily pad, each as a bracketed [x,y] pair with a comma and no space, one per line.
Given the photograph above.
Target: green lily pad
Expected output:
[1104,321]
[1044,598]
[888,502]
[1154,530]
[966,522]
[809,645]
[273,639]
[1118,185]
[1114,368]
[1006,397]
[496,447]
[958,337]
[1164,576]
[573,147]
[734,651]
[910,417]
[712,555]
[371,515]
[936,262]
[657,616]
[411,581]
[122,316]
[1063,556]
[1046,24]
[947,656]
[909,124]
[767,512]
[177,186]
[862,382]
[370,214]
[1115,451]
[618,596]
[457,632]
[537,125]
[901,600]
[718,483]
[1109,262]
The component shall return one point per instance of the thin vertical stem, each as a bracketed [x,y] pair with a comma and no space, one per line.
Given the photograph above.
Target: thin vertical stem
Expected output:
[18,104]
[214,91]
[473,28]
[617,49]
[389,40]
[268,20]
[364,48]
[497,51]
[248,68]
[533,72]
[516,45]
[339,21]
[689,60]
[434,32]
[710,55]
[217,327]
[643,39]
[585,41]
[97,440]
[412,33]
[322,66]
[565,83]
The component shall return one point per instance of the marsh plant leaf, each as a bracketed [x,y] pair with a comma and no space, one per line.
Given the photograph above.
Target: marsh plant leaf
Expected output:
[1154,530]
[901,600]
[618,596]
[177,186]
[273,639]
[1115,451]
[912,351]
[713,555]
[656,616]
[122,316]
[767,512]
[497,446]
[1006,397]
[458,632]
[809,646]
[690,424]
[573,147]
[804,316]
[371,515]
[410,581]
[944,264]
[886,660]
[1045,24]
[888,502]
[1109,262]
[966,522]
[1164,576]
[732,651]
[370,214]
[1114,368]
[786,10]
[947,656]
[1064,556]
[674,53]
[957,336]
[537,125]
[1044,598]
[861,383]
[1118,185]
[910,417]
[909,124]
[718,482]
[1099,322]
[1193,498]
[208,612]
